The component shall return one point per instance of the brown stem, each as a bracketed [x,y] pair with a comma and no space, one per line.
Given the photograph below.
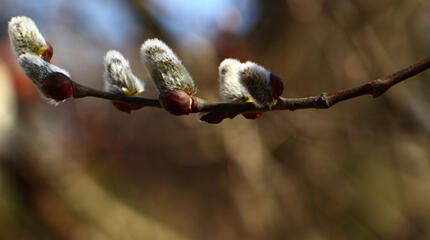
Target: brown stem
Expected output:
[375,88]
[325,100]
[80,91]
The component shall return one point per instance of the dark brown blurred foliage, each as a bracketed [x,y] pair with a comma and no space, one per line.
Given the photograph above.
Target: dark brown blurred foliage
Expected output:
[359,170]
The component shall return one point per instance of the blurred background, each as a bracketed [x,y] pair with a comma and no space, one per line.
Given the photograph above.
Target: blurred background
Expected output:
[83,170]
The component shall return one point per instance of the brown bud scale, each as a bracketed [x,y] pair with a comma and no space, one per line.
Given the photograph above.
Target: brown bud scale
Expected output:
[176,102]
[277,86]
[49,52]
[57,86]
[122,106]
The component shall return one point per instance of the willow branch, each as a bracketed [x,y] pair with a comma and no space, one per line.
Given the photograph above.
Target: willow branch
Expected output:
[325,100]
[80,91]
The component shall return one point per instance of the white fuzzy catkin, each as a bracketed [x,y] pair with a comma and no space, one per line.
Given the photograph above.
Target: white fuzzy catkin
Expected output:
[37,70]
[25,37]
[230,88]
[256,79]
[166,70]
[119,78]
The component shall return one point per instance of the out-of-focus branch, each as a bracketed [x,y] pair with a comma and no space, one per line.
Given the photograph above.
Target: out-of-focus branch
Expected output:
[148,19]
[325,100]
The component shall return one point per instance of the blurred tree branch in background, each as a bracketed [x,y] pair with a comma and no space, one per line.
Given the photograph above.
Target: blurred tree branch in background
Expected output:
[148,20]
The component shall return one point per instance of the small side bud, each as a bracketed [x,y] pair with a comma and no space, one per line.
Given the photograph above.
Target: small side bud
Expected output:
[264,87]
[119,79]
[26,38]
[176,102]
[215,117]
[53,82]
[122,106]
[166,70]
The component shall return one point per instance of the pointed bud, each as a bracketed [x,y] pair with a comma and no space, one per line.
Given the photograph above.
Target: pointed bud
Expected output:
[53,82]
[119,79]
[176,102]
[26,38]
[166,70]
[264,88]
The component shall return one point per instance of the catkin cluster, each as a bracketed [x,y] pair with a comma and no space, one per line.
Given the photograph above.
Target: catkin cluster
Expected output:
[238,82]
[34,54]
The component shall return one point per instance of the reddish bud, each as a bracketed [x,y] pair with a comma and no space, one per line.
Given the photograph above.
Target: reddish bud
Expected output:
[216,117]
[213,117]
[57,86]
[176,102]
[122,106]
[252,115]
[277,86]
[49,52]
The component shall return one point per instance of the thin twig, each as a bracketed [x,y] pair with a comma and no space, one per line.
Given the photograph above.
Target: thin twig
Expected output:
[80,91]
[325,100]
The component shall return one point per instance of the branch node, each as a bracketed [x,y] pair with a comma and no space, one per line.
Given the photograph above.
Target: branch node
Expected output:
[378,86]
[323,100]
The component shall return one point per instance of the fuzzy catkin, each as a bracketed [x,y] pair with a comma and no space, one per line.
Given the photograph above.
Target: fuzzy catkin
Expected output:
[230,88]
[38,69]
[25,36]
[256,79]
[166,70]
[119,78]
